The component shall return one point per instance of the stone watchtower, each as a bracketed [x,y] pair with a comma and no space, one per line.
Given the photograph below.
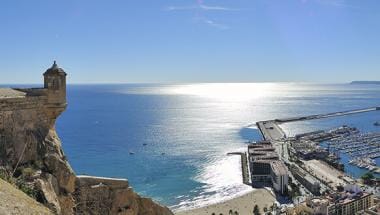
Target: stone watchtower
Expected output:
[55,86]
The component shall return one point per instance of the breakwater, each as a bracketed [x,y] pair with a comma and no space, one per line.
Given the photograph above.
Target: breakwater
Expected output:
[244,166]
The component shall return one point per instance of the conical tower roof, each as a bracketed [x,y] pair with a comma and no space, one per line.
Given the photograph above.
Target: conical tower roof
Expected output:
[54,69]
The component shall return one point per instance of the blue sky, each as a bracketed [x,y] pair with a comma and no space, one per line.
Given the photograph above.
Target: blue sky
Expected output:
[140,41]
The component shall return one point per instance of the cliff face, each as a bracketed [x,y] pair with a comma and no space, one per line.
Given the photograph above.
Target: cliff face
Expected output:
[13,201]
[112,196]
[30,151]
[31,156]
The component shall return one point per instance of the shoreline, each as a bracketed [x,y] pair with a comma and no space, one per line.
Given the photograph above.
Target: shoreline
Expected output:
[243,204]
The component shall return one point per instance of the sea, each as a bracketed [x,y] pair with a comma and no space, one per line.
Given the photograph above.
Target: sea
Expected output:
[171,140]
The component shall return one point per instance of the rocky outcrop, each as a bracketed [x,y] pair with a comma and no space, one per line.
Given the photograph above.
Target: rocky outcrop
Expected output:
[13,201]
[112,196]
[31,156]
[31,151]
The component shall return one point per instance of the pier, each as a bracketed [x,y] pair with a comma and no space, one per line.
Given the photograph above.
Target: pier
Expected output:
[270,130]
[321,116]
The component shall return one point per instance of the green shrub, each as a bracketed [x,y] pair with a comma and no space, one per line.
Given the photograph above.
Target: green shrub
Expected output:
[6,176]
[26,188]
[38,164]
[27,173]
[20,182]
[3,174]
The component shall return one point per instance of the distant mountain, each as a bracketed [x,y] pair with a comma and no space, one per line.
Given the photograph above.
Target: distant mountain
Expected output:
[365,82]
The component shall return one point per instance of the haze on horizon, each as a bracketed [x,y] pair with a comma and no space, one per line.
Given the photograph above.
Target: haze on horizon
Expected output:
[191,40]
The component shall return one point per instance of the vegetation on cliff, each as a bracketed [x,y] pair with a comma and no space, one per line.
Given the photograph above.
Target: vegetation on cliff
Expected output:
[13,201]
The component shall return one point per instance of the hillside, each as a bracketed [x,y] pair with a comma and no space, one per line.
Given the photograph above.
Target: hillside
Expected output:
[14,201]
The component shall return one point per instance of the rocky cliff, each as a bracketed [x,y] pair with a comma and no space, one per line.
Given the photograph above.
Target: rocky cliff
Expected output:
[14,201]
[112,196]
[31,156]
[32,159]
[31,152]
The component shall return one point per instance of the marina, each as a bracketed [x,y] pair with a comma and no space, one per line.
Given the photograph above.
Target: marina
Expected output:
[329,155]
[361,148]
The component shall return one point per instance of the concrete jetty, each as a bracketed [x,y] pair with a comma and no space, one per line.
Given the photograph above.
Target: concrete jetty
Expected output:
[270,130]
[244,166]
[320,116]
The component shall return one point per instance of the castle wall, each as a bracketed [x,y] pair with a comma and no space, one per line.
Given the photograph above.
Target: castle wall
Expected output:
[33,91]
[23,103]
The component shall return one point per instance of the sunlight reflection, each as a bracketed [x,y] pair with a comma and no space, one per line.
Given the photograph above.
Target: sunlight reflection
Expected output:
[227,91]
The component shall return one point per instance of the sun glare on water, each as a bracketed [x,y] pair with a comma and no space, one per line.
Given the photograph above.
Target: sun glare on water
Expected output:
[227,91]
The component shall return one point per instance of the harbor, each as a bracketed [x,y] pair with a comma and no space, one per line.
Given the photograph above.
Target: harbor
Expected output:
[322,155]
[362,149]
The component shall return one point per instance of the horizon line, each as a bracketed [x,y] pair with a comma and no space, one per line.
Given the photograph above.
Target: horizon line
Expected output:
[206,82]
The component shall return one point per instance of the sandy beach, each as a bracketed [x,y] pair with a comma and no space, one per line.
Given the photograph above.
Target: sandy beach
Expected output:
[243,204]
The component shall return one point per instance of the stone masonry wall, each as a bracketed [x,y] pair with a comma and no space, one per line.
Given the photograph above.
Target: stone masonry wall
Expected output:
[23,103]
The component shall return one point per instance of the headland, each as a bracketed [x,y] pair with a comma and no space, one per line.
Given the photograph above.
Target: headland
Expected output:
[32,159]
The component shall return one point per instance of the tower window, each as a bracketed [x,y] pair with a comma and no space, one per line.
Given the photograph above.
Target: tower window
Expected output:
[55,84]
